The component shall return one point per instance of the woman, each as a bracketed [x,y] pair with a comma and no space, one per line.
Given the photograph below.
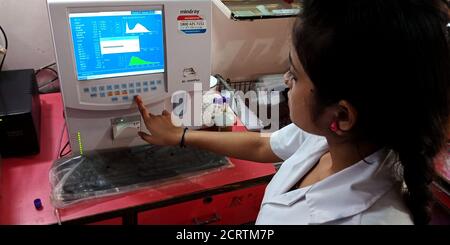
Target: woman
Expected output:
[369,103]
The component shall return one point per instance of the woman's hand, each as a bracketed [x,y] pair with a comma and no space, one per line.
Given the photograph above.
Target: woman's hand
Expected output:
[161,128]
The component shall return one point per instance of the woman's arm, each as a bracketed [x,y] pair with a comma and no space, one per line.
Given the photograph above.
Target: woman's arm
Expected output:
[243,145]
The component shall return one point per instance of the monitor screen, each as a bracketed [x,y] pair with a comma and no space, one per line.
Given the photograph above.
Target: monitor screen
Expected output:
[117,43]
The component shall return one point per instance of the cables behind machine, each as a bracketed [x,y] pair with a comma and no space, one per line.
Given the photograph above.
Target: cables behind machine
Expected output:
[60,152]
[47,67]
[4,49]
[47,78]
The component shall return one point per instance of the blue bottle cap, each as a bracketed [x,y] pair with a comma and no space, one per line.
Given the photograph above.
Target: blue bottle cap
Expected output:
[38,203]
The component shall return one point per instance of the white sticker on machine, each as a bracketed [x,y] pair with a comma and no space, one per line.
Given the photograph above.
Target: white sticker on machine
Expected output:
[191,24]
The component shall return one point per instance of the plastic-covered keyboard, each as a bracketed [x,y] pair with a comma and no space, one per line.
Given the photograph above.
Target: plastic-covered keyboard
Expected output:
[99,173]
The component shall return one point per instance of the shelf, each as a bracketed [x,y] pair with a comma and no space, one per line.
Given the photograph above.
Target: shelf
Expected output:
[258,9]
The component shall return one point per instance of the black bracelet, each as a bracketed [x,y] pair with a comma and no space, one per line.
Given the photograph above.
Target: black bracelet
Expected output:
[182,145]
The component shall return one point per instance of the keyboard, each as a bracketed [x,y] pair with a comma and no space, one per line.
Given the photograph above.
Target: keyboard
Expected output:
[99,173]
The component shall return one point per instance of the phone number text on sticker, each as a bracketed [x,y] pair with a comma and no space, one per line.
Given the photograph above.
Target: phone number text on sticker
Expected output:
[191,24]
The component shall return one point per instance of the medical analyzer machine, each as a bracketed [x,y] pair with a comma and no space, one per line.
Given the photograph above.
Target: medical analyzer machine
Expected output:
[109,51]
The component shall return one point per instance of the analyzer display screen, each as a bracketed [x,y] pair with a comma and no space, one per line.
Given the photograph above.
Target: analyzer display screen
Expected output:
[117,43]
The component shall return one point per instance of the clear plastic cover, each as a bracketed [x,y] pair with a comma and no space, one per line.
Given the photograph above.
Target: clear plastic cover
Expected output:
[78,178]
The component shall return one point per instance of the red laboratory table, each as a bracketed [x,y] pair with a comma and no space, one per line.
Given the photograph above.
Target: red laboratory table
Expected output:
[441,184]
[229,196]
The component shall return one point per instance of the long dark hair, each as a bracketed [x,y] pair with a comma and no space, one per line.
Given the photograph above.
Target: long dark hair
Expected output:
[390,60]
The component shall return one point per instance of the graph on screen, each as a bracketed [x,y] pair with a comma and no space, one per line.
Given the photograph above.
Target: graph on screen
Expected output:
[120,43]
[135,61]
[138,28]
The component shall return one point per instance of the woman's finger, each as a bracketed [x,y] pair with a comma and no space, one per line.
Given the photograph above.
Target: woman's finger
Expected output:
[166,113]
[146,137]
[144,112]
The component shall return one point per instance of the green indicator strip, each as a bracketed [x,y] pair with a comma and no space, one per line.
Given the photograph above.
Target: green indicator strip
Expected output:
[79,142]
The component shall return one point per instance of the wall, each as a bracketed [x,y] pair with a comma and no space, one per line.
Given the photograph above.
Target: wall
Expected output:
[27,27]
[241,50]
[244,50]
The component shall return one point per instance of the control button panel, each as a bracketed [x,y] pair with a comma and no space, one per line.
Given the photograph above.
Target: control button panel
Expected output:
[120,93]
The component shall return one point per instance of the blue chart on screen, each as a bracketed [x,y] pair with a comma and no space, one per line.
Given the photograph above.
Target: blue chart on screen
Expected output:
[121,43]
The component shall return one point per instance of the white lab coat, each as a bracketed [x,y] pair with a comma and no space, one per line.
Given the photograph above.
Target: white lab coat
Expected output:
[360,194]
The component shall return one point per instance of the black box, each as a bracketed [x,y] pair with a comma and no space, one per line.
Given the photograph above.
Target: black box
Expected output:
[20,113]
